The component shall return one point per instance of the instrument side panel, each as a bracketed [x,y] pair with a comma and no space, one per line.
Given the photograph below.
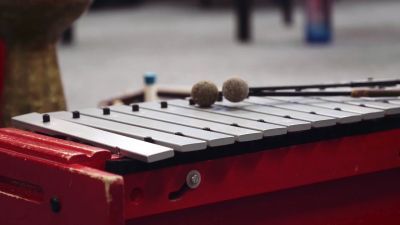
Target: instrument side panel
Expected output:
[36,190]
[149,193]
[362,200]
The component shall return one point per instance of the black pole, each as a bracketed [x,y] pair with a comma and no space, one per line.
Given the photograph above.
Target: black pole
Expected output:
[287,11]
[243,10]
[382,83]
[301,93]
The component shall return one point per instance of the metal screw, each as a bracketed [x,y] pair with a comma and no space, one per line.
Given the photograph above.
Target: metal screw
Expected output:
[193,179]
[55,204]
[149,139]
[75,114]
[135,108]
[46,118]
[106,111]
[164,105]
[179,133]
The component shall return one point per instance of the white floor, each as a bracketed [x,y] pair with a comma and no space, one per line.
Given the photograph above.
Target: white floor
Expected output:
[184,44]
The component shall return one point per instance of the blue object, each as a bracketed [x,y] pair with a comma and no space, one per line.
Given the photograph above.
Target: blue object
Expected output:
[318,33]
[150,78]
[319,24]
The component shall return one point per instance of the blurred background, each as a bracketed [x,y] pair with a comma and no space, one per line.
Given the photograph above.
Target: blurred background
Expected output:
[117,41]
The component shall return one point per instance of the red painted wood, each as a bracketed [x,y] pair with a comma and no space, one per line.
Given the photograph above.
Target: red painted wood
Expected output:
[351,180]
[362,200]
[262,172]
[87,195]
[54,149]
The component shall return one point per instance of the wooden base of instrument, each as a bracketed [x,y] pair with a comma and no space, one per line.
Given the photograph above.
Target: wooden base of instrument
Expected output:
[347,180]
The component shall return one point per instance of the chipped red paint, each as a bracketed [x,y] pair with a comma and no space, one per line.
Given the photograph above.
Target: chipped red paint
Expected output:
[351,180]
[35,168]
[52,148]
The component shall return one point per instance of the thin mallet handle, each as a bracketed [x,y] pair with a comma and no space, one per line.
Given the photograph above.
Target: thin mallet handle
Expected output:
[375,93]
[382,83]
[354,93]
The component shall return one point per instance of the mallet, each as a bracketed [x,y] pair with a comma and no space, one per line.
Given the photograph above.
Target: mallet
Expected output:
[205,93]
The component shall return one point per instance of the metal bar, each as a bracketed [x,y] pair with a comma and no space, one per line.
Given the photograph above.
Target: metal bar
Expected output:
[126,146]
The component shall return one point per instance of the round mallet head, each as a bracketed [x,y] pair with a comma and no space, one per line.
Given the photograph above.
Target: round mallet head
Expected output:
[204,93]
[235,89]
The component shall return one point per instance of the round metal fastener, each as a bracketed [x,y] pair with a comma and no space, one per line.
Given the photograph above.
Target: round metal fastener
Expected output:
[55,204]
[193,179]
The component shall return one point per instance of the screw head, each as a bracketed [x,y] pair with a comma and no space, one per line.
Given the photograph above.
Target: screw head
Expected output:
[75,114]
[46,118]
[193,179]
[55,204]
[135,107]
[149,139]
[164,105]
[179,133]
[106,111]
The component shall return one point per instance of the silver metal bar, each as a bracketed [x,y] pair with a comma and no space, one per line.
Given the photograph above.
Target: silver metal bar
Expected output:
[213,139]
[341,116]
[291,99]
[367,113]
[266,128]
[291,124]
[397,102]
[178,143]
[389,109]
[315,119]
[116,143]
[240,134]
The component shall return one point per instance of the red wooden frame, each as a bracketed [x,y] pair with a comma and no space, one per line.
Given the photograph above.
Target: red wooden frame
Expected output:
[350,180]
[2,61]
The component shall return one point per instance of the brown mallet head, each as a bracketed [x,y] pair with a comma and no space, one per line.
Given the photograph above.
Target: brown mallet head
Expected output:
[204,93]
[235,89]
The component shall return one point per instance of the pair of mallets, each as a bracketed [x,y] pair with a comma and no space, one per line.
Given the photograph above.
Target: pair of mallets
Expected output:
[205,93]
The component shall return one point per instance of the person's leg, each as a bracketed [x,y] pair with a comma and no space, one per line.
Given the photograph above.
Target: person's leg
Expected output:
[243,10]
